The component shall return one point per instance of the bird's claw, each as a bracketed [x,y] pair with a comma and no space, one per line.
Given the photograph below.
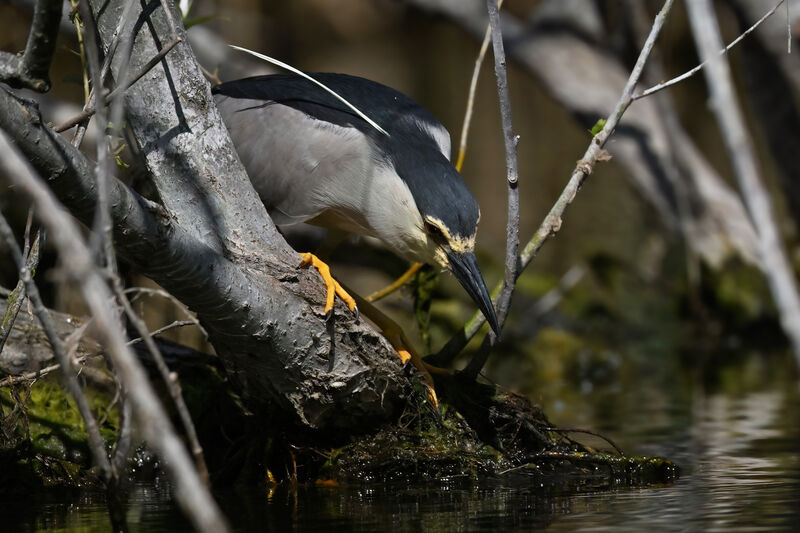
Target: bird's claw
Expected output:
[333,286]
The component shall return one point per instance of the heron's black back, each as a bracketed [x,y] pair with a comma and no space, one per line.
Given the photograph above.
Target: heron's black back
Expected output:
[411,147]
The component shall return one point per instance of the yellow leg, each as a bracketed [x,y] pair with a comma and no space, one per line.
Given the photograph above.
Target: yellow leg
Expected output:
[399,282]
[405,350]
[333,286]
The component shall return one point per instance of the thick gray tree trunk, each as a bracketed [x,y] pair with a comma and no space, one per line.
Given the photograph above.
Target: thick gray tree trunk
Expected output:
[210,241]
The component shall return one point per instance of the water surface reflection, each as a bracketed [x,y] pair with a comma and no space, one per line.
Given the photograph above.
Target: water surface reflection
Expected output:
[738,446]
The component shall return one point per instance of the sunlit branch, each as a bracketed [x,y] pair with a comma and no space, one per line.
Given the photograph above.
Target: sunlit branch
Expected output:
[552,222]
[686,75]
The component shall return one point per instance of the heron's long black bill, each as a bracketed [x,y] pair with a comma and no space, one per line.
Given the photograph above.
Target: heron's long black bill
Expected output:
[465,269]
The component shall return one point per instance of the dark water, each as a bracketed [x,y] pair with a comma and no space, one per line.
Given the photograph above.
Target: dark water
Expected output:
[735,435]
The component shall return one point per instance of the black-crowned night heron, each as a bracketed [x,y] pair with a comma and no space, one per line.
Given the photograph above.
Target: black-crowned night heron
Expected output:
[312,159]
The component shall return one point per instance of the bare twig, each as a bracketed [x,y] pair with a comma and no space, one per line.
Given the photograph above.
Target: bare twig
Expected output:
[122,447]
[17,296]
[473,85]
[170,380]
[588,432]
[725,106]
[121,88]
[396,284]
[164,294]
[26,247]
[552,222]
[120,38]
[42,372]
[96,444]
[173,28]
[152,420]
[88,93]
[162,329]
[686,75]
[512,177]
[31,69]
[100,239]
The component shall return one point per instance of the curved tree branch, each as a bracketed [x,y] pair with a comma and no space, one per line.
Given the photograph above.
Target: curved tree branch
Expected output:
[277,341]
[31,69]
[212,245]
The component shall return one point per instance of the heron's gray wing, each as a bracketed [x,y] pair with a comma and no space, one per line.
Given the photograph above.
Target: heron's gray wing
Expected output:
[299,165]
[398,114]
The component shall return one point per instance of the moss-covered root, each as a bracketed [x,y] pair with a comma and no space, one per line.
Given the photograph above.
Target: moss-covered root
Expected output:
[481,432]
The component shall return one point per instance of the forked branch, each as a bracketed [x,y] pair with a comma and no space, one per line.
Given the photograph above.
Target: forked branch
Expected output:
[31,69]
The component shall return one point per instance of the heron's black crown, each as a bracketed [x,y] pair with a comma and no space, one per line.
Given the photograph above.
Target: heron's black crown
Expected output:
[411,147]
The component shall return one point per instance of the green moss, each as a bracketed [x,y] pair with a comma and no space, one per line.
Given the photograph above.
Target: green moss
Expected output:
[425,452]
[452,451]
[55,424]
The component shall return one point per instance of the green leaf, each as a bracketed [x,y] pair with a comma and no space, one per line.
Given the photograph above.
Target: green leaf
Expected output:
[598,126]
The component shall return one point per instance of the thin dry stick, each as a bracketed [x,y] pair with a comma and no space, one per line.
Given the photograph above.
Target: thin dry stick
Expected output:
[119,89]
[686,75]
[552,222]
[101,236]
[122,447]
[162,329]
[399,282]
[588,432]
[121,40]
[473,86]
[725,106]
[17,296]
[512,177]
[96,444]
[152,420]
[42,372]
[668,125]
[170,380]
[173,28]
[164,294]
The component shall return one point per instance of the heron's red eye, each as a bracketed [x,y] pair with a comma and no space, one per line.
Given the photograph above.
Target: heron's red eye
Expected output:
[433,230]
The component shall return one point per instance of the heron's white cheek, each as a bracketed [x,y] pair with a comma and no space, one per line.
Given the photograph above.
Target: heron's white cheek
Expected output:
[441,257]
